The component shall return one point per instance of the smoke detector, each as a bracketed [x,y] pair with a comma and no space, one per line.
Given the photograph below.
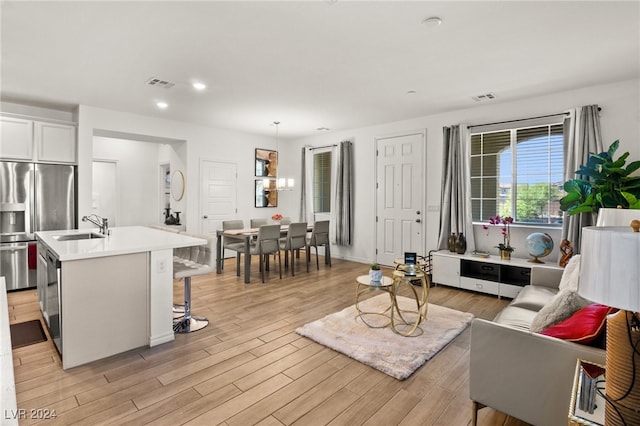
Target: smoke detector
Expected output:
[485,97]
[157,82]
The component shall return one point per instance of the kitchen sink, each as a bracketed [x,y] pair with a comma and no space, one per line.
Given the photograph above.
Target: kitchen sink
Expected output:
[71,237]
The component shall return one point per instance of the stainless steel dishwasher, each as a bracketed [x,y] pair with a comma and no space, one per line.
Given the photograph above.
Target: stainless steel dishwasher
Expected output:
[52,304]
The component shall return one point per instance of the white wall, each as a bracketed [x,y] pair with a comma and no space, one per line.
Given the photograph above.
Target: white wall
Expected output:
[137,176]
[200,143]
[620,119]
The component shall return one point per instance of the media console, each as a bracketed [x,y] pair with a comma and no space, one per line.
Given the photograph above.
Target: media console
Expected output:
[504,278]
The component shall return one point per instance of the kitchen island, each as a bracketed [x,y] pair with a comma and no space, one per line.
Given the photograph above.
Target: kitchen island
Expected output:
[103,295]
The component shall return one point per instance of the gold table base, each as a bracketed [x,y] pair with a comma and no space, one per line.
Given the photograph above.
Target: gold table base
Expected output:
[405,322]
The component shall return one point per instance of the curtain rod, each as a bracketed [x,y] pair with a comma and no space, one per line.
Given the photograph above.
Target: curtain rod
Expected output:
[521,119]
[320,147]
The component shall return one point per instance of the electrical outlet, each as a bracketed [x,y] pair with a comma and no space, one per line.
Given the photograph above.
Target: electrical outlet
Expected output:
[162,266]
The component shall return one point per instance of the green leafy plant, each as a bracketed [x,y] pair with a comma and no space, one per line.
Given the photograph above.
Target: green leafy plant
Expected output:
[374,267]
[603,182]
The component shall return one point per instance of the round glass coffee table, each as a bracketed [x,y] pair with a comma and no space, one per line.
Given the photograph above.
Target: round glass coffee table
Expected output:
[365,286]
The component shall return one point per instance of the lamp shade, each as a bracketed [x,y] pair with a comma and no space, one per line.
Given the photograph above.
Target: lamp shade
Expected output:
[610,266]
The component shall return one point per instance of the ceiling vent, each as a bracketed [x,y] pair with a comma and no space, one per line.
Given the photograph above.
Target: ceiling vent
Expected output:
[160,83]
[485,97]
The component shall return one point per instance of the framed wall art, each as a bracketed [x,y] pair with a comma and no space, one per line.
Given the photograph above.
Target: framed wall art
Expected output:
[266,163]
[266,193]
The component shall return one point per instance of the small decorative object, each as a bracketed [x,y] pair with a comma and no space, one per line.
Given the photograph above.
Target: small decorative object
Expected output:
[539,244]
[276,217]
[375,274]
[461,244]
[566,252]
[505,246]
[451,243]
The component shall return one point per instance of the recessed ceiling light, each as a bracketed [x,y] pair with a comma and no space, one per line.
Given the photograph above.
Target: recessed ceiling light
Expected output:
[199,86]
[323,129]
[432,22]
[162,105]
[411,92]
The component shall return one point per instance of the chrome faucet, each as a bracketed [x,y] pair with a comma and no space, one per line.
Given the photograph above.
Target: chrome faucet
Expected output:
[100,222]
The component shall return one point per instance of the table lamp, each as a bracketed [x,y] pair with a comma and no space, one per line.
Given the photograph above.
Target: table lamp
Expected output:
[610,275]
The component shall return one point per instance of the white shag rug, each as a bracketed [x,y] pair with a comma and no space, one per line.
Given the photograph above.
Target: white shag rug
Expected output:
[381,348]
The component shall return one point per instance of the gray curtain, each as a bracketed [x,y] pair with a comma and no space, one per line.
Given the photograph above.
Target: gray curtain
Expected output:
[455,201]
[582,136]
[303,186]
[343,201]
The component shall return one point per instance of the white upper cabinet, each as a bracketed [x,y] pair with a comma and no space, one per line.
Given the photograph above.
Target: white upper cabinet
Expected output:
[55,143]
[16,139]
[39,141]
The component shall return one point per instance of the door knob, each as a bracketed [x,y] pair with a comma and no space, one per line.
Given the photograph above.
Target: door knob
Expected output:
[418,221]
[418,212]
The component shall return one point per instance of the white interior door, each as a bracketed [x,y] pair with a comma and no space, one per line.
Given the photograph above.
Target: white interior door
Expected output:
[399,196]
[104,195]
[218,200]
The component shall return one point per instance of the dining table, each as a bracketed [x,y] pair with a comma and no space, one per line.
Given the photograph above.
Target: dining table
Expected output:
[245,236]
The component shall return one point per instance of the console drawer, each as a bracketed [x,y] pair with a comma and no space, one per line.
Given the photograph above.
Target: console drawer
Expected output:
[479,285]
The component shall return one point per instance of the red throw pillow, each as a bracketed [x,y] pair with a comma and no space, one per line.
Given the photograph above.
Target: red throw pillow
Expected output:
[583,326]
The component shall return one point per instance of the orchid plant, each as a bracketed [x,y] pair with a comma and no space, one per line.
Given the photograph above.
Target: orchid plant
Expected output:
[506,235]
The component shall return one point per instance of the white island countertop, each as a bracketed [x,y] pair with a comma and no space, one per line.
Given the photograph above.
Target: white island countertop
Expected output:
[121,240]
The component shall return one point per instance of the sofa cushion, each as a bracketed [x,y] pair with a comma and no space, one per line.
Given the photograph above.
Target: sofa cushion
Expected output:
[534,297]
[571,274]
[560,307]
[582,327]
[515,317]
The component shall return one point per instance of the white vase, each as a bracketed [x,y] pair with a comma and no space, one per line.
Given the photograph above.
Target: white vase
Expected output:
[375,275]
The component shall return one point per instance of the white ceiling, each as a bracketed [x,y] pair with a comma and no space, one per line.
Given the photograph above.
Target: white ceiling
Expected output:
[309,64]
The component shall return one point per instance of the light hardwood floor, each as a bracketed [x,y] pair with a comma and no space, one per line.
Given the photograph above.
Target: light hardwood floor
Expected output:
[250,367]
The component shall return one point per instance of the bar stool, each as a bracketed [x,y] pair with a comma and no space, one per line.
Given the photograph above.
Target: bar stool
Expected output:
[187,263]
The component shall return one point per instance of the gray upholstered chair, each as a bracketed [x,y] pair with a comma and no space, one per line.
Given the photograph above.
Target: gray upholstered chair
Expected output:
[285,221]
[189,262]
[320,237]
[295,240]
[232,244]
[268,242]
[257,223]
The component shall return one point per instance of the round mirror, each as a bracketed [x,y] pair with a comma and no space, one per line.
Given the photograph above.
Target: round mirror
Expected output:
[177,185]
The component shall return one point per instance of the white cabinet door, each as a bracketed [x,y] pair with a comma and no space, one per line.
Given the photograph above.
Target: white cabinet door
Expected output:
[16,139]
[55,143]
[446,269]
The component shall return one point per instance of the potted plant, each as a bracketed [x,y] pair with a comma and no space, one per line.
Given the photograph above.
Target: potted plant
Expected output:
[505,246]
[603,182]
[375,274]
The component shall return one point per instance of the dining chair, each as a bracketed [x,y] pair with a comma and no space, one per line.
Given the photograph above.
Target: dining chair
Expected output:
[295,240]
[268,242]
[319,237]
[285,221]
[257,223]
[232,244]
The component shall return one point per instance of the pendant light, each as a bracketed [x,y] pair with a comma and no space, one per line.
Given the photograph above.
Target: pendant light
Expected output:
[282,183]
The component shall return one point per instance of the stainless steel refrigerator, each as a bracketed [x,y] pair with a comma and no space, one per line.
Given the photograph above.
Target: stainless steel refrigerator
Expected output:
[33,197]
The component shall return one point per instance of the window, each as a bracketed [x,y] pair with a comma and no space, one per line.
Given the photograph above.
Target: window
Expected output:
[322,181]
[518,173]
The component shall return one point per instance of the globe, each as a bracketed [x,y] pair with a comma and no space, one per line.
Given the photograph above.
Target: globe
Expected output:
[538,244]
